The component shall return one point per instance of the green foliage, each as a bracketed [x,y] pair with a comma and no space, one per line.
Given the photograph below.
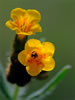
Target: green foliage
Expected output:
[50,85]
[37,95]
[3,84]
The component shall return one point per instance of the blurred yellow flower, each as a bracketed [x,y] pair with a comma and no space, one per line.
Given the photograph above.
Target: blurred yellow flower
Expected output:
[37,56]
[25,22]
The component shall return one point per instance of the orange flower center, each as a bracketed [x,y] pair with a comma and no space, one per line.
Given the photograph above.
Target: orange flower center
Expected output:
[23,25]
[35,59]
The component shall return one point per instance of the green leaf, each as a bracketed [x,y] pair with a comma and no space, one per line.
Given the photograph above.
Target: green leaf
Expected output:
[3,84]
[50,85]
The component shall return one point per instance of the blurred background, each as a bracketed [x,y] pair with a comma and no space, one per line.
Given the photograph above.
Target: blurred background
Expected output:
[58,24]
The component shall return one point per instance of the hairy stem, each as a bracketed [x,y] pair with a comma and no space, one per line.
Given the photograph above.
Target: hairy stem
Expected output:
[16,93]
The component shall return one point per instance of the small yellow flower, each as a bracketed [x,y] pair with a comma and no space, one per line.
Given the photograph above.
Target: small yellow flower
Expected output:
[25,22]
[37,57]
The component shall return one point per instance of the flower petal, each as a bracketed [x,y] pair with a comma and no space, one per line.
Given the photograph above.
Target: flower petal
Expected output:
[17,13]
[33,70]
[24,33]
[49,64]
[49,48]
[34,15]
[21,57]
[36,28]
[32,43]
[11,25]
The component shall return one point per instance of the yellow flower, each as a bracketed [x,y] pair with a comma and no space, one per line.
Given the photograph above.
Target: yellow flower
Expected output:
[25,22]
[37,57]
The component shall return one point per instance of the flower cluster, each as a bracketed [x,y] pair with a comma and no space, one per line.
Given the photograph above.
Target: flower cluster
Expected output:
[36,56]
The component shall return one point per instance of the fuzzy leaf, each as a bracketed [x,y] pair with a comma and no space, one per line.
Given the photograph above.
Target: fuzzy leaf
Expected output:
[3,84]
[50,85]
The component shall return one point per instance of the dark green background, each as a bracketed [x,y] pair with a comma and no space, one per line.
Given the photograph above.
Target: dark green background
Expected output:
[58,24]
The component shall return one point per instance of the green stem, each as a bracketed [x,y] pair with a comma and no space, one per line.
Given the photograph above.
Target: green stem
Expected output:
[16,93]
